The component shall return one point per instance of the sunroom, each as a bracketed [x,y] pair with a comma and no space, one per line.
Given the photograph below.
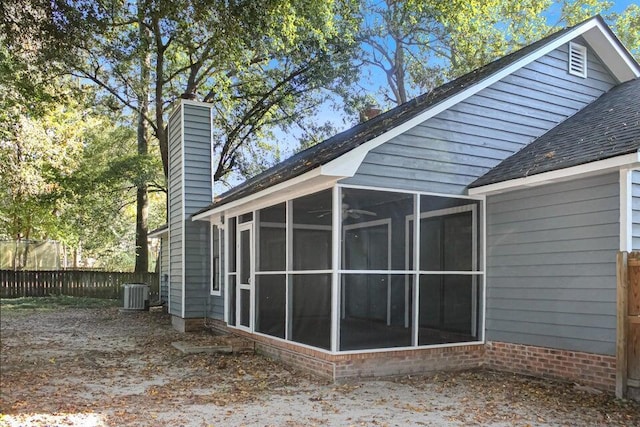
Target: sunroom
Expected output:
[350,269]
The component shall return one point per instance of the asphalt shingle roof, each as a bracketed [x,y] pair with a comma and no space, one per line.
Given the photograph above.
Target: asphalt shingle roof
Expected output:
[608,127]
[346,141]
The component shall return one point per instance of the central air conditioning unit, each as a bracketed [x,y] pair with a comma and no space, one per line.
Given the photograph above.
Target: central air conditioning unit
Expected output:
[136,296]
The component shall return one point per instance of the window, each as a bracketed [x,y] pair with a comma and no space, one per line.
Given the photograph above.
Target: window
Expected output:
[216,264]
[310,305]
[292,237]
[271,278]
[271,238]
[577,60]
[372,224]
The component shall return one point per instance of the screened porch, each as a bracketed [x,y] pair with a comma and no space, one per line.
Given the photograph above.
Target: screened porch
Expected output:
[353,269]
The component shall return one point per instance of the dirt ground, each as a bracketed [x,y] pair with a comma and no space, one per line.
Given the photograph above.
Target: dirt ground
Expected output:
[100,367]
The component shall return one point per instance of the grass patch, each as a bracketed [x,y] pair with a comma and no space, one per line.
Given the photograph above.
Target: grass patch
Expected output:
[55,302]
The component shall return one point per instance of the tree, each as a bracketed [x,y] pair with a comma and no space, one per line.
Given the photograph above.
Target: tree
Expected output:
[260,63]
[39,140]
[66,173]
[627,27]
[419,45]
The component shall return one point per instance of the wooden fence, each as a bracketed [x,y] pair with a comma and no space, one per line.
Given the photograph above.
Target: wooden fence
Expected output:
[628,339]
[80,283]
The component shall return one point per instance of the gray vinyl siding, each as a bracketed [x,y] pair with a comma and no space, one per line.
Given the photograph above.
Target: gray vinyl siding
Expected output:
[175,214]
[198,189]
[164,268]
[197,265]
[551,265]
[635,210]
[190,171]
[449,151]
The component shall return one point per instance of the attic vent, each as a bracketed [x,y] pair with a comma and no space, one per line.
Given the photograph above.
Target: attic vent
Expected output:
[577,60]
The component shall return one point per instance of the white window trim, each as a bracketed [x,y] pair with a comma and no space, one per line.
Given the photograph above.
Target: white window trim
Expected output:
[474,250]
[626,210]
[363,351]
[475,271]
[227,274]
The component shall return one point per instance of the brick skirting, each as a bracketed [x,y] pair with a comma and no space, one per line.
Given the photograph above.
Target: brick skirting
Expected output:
[369,364]
[595,370]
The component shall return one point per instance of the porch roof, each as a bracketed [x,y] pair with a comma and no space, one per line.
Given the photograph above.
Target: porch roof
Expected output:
[158,232]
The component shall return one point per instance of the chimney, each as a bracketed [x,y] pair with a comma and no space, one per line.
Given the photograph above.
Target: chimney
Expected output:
[369,112]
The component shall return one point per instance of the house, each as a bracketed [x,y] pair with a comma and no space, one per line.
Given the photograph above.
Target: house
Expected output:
[477,224]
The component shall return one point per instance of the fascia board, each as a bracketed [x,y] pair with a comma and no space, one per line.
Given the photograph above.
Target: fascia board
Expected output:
[267,191]
[593,168]
[613,54]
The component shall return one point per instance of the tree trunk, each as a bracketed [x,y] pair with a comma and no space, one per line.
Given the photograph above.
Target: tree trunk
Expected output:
[142,196]
[142,214]
[14,267]
[400,76]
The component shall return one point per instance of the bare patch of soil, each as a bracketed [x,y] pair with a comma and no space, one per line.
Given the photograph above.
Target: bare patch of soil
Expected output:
[101,367]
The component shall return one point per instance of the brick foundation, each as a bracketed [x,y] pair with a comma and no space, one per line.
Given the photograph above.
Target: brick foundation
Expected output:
[594,370]
[371,364]
[404,362]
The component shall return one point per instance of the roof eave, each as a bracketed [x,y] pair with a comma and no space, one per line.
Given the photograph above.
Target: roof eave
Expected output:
[611,51]
[158,232]
[625,161]
[309,182]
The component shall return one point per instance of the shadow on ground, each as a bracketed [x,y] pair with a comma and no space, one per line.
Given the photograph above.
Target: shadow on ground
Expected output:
[102,367]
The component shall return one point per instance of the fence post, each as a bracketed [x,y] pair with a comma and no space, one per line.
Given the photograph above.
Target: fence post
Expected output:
[621,338]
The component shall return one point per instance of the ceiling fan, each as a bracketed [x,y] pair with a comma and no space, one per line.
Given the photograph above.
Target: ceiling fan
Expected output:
[347,212]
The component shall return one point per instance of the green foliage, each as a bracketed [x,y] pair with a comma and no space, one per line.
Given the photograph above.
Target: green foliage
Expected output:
[261,63]
[627,28]
[36,151]
[419,44]
[66,172]
[576,11]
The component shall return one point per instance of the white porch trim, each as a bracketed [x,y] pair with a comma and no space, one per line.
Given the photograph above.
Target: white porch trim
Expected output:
[306,183]
[588,169]
[626,210]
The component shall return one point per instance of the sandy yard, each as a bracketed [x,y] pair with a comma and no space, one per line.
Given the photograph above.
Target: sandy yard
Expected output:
[101,367]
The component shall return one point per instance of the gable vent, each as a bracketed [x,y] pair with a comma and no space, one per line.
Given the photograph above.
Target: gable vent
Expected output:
[577,60]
